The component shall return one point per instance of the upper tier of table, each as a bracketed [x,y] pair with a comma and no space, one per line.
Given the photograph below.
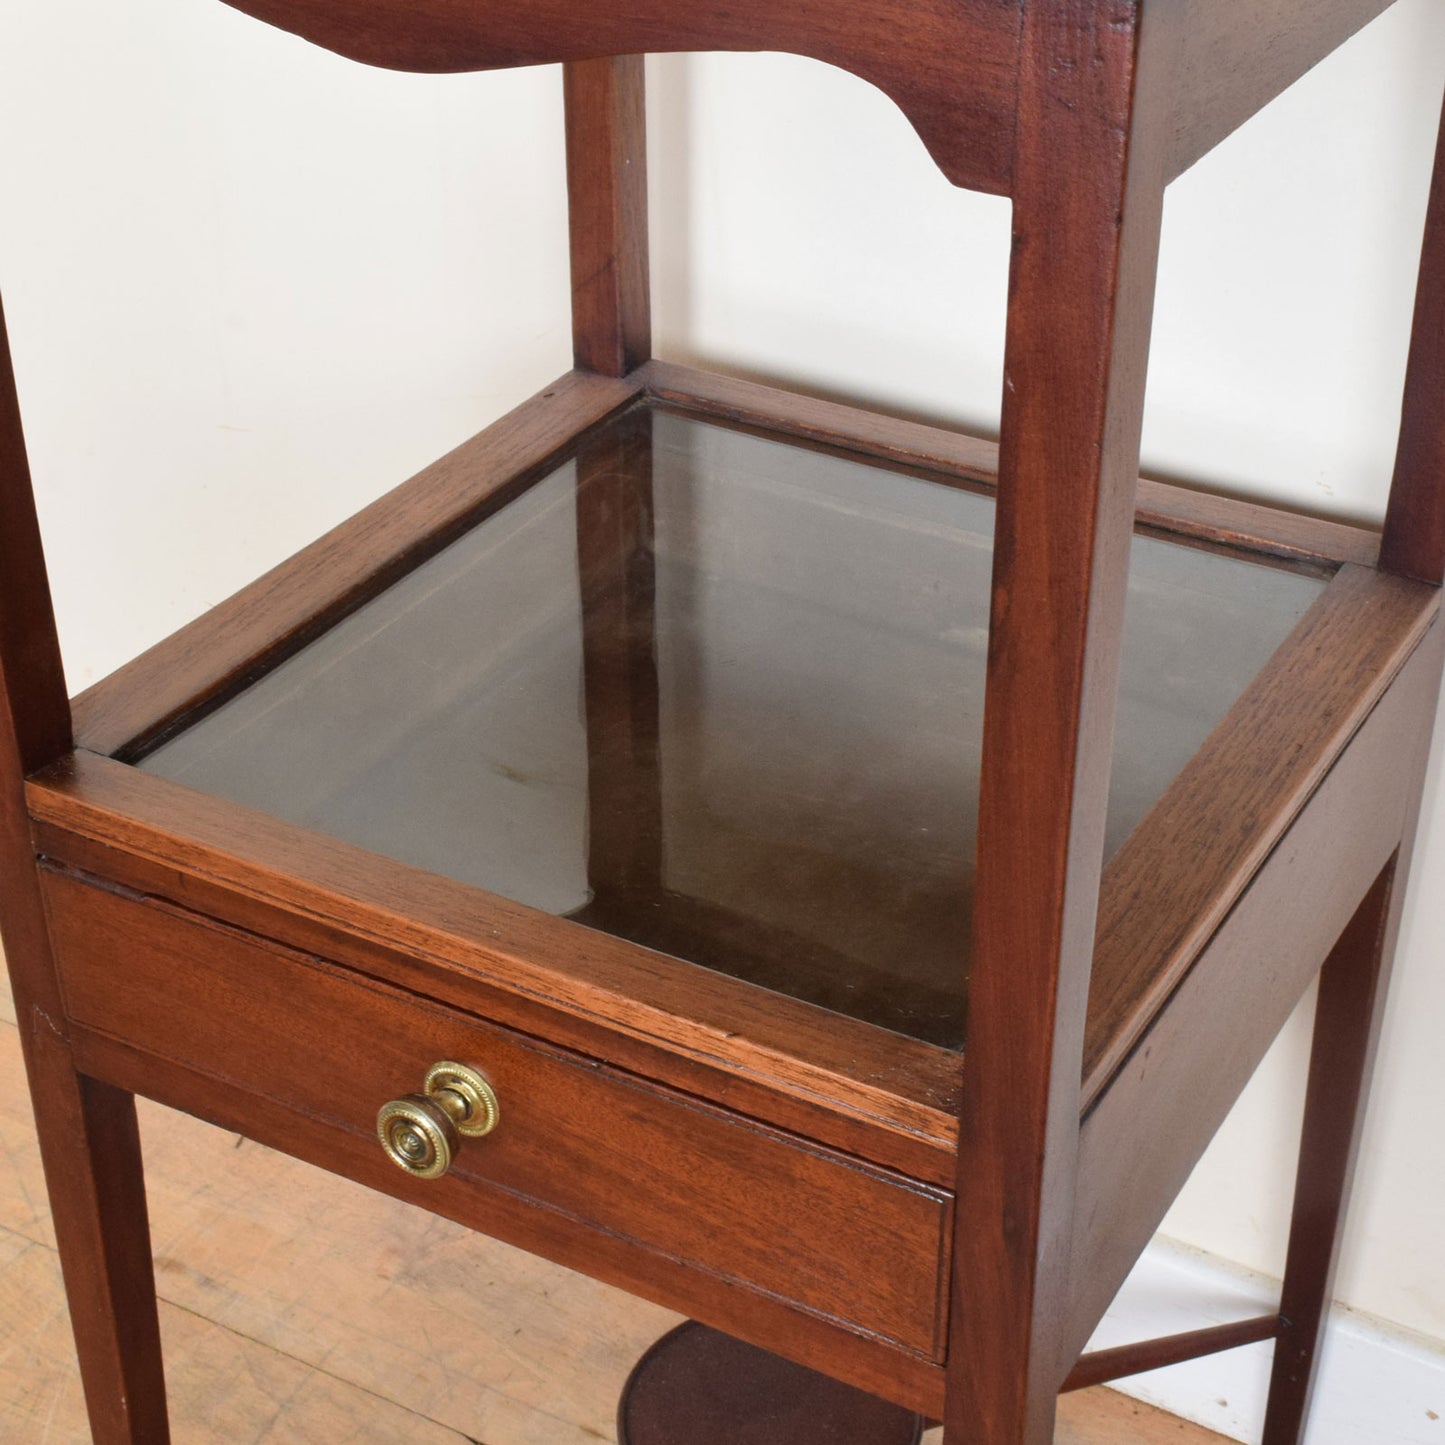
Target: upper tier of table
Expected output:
[952,66]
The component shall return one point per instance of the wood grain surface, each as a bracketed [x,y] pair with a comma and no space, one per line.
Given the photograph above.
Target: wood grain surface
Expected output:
[950,67]
[1094,85]
[91,1148]
[607,213]
[750,1208]
[789,1061]
[1138,1143]
[347,1316]
[1414,541]
[1166,507]
[298,1307]
[1173,882]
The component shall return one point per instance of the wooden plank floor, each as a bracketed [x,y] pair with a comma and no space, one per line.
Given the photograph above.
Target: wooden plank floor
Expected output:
[298,1307]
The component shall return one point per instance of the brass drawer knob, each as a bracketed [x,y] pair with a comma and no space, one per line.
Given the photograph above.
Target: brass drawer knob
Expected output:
[422,1132]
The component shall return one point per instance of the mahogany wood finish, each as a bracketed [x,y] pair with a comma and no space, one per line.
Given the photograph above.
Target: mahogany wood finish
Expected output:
[206,661]
[34,715]
[821,1072]
[1088,201]
[1237,55]
[89,1143]
[94,1177]
[607,213]
[1414,541]
[1346,1030]
[944,1233]
[1349,1015]
[699,1385]
[1139,1141]
[644,1165]
[1101,1366]
[973,461]
[912,50]
[873,1093]
[1239,796]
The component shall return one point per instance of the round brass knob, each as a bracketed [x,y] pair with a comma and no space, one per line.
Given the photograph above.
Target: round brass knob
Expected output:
[423,1132]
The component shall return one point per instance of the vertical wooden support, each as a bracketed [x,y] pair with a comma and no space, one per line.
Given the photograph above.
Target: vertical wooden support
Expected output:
[36,718]
[1347,1020]
[1355,978]
[88,1138]
[1414,540]
[1349,1014]
[1088,197]
[607,205]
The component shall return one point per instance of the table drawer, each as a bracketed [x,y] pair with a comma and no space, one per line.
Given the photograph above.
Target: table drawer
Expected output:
[774,1212]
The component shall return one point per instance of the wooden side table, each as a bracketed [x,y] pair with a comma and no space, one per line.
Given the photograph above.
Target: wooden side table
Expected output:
[825,874]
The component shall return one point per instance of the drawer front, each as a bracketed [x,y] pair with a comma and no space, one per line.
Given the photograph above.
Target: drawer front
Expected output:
[841,1239]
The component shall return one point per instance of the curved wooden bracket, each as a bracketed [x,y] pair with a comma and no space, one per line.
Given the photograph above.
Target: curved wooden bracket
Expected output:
[950,65]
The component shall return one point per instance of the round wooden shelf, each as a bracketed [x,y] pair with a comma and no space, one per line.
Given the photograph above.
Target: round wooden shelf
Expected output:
[696,1386]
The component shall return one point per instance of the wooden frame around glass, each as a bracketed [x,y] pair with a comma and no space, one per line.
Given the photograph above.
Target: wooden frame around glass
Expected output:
[1116,1011]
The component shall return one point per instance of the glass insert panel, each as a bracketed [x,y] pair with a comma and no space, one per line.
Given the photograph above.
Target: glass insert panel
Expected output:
[720,695]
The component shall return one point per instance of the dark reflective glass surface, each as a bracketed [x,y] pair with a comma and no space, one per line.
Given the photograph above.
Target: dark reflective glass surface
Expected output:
[722,696]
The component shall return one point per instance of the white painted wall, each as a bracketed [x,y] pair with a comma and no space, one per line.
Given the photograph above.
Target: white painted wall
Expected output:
[250,286]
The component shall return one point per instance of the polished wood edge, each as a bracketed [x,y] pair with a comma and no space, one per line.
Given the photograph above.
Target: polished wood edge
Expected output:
[714,396]
[928,1080]
[220,652]
[1100,1366]
[1348,1016]
[604,103]
[1138,1143]
[33,708]
[278,992]
[1088,208]
[748,1094]
[34,716]
[1179,873]
[1414,539]
[949,68]
[440,937]
[86,1131]
[1162,506]
[869,1361]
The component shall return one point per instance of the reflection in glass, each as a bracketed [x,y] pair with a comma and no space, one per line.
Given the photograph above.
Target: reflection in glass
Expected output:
[722,696]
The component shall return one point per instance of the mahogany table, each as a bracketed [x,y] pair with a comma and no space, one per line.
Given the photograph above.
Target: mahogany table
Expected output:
[826,874]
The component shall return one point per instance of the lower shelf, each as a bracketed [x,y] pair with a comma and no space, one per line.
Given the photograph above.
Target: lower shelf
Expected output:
[698,1386]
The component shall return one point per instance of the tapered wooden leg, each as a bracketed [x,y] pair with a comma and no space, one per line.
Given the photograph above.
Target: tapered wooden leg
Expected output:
[1347,1025]
[90,1146]
[1088,188]
[88,1138]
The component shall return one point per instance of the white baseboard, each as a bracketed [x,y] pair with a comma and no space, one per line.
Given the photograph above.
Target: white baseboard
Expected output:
[1377,1386]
